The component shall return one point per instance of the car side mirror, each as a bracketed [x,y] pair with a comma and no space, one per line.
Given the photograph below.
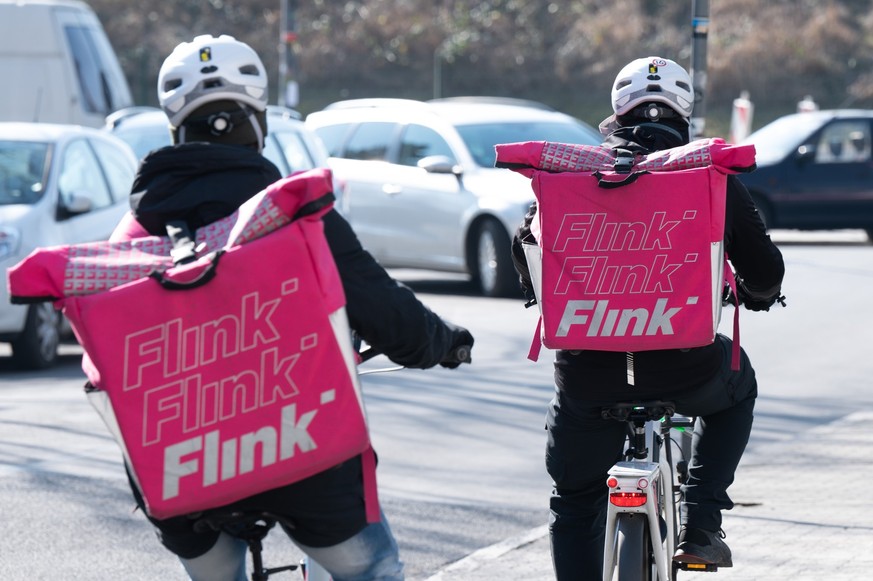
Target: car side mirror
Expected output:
[78,202]
[440,164]
[805,153]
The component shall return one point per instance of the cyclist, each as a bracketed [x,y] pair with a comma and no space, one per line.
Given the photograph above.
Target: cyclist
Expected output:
[652,99]
[214,92]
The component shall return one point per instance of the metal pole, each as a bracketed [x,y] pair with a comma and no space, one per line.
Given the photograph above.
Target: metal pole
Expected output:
[287,94]
[699,32]
[438,72]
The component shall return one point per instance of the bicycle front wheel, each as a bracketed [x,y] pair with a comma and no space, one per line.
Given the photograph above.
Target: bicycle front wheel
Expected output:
[634,560]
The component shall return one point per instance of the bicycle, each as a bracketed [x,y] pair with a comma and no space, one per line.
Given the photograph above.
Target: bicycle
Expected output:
[253,527]
[643,511]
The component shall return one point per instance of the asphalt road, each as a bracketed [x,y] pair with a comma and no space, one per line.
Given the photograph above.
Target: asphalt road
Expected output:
[460,450]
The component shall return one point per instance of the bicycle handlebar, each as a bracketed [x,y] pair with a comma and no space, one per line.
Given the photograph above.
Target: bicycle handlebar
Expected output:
[460,354]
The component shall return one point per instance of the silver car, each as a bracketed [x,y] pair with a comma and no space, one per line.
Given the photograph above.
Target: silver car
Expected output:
[59,184]
[288,145]
[420,186]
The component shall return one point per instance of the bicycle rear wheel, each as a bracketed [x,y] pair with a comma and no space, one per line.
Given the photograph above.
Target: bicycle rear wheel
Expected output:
[634,560]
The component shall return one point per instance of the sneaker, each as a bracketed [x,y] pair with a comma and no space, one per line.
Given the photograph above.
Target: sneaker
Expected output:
[700,546]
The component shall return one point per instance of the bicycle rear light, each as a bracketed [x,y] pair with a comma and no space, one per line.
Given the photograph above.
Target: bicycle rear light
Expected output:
[628,498]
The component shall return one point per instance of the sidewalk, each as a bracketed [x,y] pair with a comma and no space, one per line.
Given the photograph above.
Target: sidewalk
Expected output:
[804,512]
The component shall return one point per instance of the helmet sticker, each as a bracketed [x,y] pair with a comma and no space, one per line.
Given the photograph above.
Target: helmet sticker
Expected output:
[653,69]
[205,54]
[658,62]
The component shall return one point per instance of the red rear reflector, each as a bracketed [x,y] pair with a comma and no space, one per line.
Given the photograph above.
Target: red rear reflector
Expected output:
[612,482]
[628,498]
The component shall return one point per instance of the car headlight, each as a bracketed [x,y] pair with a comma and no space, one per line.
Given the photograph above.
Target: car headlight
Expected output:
[9,239]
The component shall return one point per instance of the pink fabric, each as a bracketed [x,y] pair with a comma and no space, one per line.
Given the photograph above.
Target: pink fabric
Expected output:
[217,392]
[529,157]
[636,266]
[626,270]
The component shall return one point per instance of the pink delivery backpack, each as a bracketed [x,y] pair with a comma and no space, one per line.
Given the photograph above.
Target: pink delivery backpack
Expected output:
[226,376]
[630,254]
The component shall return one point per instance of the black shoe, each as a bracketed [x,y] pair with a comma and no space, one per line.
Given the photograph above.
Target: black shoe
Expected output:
[699,546]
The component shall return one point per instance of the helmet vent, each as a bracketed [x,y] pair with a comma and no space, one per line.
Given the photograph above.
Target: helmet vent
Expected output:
[209,69]
[653,88]
[683,85]
[249,70]
[212,83]
[171,84]
[623,83]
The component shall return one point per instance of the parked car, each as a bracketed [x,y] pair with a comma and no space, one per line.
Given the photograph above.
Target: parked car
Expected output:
[59,184]
[815,171]
[289,145]
[421,189]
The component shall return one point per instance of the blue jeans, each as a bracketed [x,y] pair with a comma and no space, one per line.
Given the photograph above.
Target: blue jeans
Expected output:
[370,555]
[582,447]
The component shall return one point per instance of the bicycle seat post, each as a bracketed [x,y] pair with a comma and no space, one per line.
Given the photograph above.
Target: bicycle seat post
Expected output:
[638,448]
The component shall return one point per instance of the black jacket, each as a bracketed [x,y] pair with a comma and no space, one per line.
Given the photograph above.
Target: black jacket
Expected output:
[597,375]
[201,183]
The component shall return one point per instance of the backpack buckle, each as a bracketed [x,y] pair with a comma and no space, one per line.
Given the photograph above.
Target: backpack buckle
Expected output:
[624,161]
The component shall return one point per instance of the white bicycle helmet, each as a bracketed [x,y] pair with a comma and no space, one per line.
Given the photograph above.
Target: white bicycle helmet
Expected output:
[210,69]
[653,79]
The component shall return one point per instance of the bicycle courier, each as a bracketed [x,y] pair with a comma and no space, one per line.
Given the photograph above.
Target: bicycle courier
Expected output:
[224,376]
[630,253]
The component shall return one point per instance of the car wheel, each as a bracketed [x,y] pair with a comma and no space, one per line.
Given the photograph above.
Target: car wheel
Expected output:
[490,261]
[37,346]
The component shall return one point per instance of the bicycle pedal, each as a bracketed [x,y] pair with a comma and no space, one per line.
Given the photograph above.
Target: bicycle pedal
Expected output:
[702,567]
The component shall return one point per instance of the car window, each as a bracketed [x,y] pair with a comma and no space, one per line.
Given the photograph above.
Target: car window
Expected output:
[143,139]
[370,141]
[116,167]
[481,138]
[93,78]
[844,142]
[419,142]
[334,137]
[288,152]
[22,171]
[776,140]
[80,174]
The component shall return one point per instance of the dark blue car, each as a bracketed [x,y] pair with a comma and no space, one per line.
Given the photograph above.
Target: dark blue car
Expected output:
[815,171]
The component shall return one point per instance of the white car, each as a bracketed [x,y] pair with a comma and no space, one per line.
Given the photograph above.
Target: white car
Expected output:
[420,186]
[59,184]
[289,145]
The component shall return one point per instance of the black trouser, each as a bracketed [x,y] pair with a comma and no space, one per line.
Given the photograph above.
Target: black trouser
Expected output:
[326,509]
[582,447]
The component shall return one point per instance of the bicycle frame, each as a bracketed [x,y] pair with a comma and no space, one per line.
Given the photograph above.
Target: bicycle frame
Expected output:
[642,503]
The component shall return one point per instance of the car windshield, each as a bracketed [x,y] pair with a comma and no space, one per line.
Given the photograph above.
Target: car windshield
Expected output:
[145,138]
[481,139]
[775,141]
[22,171]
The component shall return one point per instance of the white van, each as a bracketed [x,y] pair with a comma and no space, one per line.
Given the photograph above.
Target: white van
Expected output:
[57,64]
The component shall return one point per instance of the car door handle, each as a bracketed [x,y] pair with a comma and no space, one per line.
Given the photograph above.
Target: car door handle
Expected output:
[391,189]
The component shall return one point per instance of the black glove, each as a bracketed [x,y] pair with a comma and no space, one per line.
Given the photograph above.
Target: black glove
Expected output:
[462,346]
[753,301]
